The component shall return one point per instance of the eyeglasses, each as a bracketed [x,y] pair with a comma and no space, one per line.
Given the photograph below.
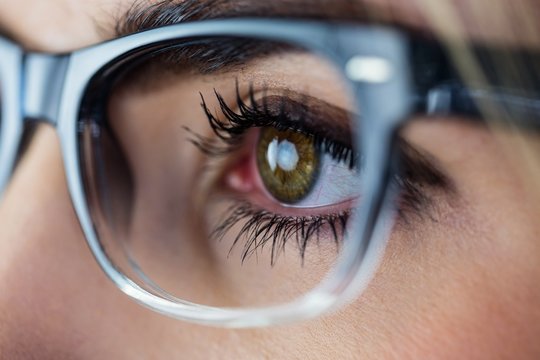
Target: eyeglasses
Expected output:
[244,172]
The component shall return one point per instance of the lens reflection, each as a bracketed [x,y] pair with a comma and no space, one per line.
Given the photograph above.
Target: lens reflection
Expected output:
[221,171]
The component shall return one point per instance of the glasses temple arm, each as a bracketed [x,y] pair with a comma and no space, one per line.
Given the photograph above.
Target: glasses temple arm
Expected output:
[455,99]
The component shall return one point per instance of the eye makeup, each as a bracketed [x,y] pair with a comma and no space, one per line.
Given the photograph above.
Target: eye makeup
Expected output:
[251,223]
[289,111]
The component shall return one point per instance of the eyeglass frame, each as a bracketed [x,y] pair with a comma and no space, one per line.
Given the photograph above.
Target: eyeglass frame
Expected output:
[51,88]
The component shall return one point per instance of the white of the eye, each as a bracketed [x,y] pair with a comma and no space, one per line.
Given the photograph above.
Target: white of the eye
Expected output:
[282,153]
[335,183]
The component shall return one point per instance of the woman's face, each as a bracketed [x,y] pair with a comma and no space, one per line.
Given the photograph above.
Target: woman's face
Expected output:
[459,276]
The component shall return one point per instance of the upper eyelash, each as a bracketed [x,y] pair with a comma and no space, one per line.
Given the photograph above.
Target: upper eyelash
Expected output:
[250,115]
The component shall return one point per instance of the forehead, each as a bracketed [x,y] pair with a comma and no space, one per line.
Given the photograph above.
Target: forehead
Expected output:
[72,24]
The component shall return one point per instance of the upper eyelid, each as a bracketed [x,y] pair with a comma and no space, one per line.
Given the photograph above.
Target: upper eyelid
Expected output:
[304,113]
[313,114]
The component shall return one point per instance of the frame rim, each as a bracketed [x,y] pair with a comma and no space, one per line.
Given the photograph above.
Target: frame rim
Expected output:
[71,74]
[11,128]
[349,276]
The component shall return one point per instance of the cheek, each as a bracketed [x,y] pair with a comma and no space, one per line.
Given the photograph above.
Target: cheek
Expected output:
[51,290]
[463,280]
[56,303]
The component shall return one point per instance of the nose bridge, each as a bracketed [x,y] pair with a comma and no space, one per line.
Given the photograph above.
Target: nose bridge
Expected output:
[43,80]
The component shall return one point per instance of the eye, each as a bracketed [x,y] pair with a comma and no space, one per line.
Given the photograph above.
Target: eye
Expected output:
[299,172]
[286,175]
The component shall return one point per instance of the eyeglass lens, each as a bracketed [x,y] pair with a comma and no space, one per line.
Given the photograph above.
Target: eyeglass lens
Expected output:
[222,162]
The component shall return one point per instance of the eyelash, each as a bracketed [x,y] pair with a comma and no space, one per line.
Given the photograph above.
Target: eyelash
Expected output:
[261,226]
[253,115]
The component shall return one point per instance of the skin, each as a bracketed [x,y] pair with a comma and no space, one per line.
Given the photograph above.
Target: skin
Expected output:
[463,286]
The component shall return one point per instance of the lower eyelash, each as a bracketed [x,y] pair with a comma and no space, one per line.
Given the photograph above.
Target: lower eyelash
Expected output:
[263,228]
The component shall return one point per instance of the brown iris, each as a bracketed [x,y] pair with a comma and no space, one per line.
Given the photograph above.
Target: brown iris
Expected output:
[288,163]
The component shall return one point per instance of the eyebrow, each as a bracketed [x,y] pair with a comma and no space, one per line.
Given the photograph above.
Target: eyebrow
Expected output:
[143,15]
[214,55]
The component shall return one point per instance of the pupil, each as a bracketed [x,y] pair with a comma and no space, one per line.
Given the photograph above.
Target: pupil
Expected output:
[288,164]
